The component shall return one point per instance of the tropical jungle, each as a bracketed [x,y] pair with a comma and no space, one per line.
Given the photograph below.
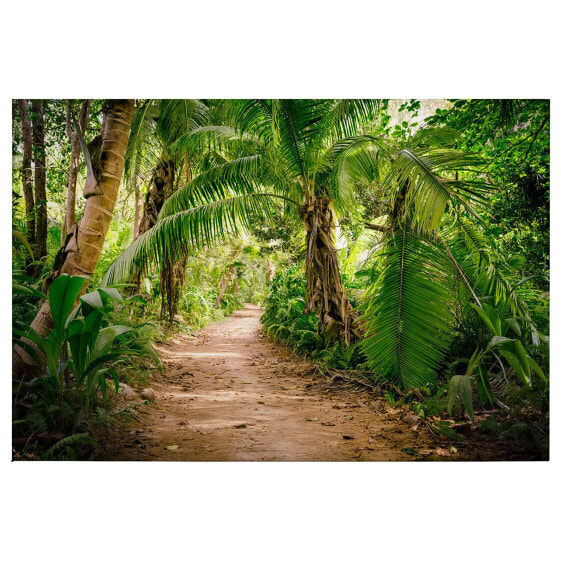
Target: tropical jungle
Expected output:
[280,279]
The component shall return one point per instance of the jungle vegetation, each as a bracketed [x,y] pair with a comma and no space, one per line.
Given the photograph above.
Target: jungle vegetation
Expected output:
[408,252]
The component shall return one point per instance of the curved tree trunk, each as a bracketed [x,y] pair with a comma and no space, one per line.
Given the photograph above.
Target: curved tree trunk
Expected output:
[324,291]
[84,248]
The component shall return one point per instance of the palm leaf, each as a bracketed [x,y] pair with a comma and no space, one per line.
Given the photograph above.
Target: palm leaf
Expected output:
[407,311]
[192,228]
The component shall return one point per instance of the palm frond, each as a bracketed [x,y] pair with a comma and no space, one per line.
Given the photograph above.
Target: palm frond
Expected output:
[348,117]
[195,227]
[143,147]
[237,177]
[287,130]
[178,116]
[481,265]
[248,115]
[407,311]
[356,160]
[212,138]
[421,173]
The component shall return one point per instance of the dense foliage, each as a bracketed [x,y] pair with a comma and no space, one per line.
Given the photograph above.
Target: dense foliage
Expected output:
[410,244]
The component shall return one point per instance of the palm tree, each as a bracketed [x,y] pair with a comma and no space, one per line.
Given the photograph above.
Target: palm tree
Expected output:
[267,152]
[82,256]
[151,159]
[433,255]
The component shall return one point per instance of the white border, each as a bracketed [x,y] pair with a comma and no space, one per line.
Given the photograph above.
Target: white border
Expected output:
[289,49]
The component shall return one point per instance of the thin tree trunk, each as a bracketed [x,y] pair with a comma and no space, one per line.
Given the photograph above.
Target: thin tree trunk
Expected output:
[83,251]
[235,286]
[26,172]
[172,278]
[138,207]
[224,282]
[270,271]
[38,137]
[70,216]
[324,292]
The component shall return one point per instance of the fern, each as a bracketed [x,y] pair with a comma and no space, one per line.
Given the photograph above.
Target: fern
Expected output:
[65,448]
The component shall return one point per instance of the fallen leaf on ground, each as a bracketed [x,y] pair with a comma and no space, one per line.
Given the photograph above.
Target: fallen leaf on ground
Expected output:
[410,451]
[172,447]
[442,452]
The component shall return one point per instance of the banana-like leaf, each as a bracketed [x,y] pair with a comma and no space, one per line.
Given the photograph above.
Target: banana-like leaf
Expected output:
[460,385]
[62,294]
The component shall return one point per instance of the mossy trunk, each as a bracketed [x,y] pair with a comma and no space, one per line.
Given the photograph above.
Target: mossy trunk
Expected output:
[324,292]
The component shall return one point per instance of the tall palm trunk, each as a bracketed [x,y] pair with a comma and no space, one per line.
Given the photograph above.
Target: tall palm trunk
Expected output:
[83,251]
[324,291]
[38,137]
[26,172]
[172,271]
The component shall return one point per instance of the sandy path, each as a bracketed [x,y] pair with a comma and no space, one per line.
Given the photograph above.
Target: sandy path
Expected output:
[231,394]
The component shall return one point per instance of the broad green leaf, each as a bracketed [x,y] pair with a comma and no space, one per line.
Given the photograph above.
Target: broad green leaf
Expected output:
[453,391]
[513,360]
[465,395]
[94,300]
[113,293]
[62,294]
[537,369]
[488,321]
[513,322]
[484,390]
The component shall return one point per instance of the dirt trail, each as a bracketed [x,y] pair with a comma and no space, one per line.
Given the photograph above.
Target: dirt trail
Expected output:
[231,394]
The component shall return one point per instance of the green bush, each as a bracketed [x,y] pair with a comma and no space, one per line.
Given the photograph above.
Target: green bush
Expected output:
[285,322]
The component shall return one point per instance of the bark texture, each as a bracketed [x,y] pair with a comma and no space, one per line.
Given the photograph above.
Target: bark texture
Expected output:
[225,281]
[70,216]
[161,187]
[26,171]
[324,291]
[84,248]
[138,206]
[38,137]
[172,271]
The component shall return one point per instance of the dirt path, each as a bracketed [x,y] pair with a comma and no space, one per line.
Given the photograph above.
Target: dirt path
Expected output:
[231,394]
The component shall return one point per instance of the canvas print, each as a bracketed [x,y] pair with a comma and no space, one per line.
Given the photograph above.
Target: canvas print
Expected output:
[280,279]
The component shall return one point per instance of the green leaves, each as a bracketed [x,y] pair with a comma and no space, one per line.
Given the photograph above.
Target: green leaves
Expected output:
[195,227]
[407,312]
[62,295]
[460,385]
[85,331]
